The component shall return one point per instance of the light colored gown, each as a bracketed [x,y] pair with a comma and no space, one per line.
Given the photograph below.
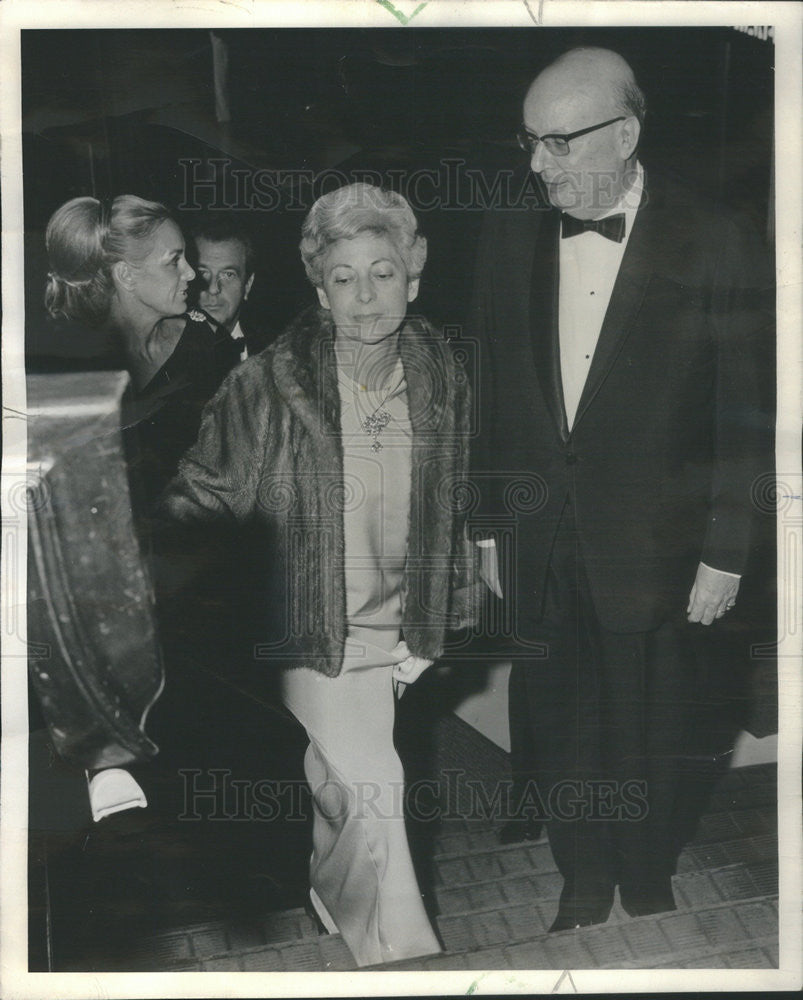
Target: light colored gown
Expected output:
[361,872]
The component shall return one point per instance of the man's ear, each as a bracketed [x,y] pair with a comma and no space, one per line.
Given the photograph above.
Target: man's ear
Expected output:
[248,286]
[629,133]
[123,275]
[412,289]
[323,298]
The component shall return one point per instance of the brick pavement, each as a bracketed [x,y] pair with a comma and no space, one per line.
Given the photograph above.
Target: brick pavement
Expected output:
[495,904]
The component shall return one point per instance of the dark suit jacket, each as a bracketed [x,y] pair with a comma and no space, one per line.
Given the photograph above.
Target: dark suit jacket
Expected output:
[256,337]
[665,446]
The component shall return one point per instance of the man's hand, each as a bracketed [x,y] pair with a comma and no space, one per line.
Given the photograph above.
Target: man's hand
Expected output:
[408,668]
[489,566]
[712,595]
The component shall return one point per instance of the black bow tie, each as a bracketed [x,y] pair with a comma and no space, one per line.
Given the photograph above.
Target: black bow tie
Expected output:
[612,227]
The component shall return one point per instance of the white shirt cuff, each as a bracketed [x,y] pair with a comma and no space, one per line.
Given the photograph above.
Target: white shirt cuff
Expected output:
[724,572]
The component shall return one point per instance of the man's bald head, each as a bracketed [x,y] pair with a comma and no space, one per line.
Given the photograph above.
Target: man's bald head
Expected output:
[595,73]
[581,89]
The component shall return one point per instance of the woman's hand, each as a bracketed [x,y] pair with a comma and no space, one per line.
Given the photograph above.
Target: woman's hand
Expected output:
[408,668]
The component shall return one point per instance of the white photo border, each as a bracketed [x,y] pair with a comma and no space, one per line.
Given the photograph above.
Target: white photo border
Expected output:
[15,15]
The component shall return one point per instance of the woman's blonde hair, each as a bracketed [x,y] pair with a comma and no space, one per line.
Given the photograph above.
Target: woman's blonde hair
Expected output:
[358,208]
[84,238]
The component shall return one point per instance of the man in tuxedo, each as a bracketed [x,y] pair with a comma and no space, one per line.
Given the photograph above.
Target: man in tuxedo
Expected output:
[618,324]
[224,261]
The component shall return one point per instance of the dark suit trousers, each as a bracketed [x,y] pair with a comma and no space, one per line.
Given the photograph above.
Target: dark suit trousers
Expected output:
[605,724]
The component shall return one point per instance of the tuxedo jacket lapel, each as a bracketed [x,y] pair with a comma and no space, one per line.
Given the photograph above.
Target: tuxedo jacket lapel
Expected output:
[638,263]
[544,318]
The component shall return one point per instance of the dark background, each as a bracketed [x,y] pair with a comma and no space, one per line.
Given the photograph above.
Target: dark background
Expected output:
[112,112]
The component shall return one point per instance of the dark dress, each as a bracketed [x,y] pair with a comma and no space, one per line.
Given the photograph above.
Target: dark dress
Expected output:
[163,417]
[161,422]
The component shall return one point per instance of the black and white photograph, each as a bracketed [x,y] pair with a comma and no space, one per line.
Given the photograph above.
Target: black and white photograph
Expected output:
[401,499]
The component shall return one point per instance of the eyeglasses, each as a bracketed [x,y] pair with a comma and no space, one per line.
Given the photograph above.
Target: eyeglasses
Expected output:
[555,143]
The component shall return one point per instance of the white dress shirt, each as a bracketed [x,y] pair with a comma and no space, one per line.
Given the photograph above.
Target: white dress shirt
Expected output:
[237,334]
[589,264]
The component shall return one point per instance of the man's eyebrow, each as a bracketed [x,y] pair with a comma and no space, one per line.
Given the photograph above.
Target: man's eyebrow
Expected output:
[223,267]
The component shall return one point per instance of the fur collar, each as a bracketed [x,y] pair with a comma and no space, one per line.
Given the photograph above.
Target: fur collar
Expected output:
[305,374]
[305,367]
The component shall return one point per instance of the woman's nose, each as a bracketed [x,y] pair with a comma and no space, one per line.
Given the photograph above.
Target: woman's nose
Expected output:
[366,291]
[189,274]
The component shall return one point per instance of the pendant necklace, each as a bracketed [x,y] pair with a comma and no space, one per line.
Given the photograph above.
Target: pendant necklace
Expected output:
[376,422]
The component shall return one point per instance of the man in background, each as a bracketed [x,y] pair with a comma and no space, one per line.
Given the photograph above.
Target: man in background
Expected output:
[224,262]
